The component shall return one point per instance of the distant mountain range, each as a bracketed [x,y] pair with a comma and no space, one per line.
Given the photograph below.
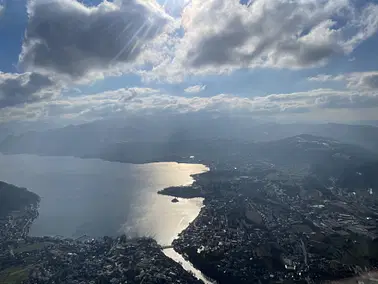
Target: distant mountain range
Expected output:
[323,150]
[97,135]
[327,149]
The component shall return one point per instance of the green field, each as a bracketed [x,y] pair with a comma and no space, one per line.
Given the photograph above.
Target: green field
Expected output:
[14,275]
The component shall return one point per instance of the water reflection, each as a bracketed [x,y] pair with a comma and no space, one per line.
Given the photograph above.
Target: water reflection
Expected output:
[171,253]
[97,198]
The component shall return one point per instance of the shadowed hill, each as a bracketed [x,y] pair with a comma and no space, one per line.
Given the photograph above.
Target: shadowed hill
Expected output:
[15,198]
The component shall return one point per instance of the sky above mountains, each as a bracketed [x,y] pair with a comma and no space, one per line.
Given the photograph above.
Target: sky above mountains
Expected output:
[71,61]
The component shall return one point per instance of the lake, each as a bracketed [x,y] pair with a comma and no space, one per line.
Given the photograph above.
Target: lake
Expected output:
[96,198]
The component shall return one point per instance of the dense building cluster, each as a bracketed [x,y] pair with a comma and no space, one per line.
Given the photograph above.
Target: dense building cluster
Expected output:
[259,225]
[107,261]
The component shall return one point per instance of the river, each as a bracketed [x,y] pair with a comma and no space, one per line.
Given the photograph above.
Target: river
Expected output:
[96,198]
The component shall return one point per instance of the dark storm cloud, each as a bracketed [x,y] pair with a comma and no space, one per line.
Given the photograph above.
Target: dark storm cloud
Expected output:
[16,89]
[66,37]
[219,48]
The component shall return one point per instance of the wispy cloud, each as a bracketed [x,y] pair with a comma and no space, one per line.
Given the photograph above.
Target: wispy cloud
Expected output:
[326,78]
[144,100]
[195,89]
[355,80]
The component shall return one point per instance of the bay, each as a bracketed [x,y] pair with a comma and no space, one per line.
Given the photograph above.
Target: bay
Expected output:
[95,198]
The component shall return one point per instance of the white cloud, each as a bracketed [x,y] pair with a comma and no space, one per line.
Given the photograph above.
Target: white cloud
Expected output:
[2,8]
[68,40]
[363,80]
[223,35]
[195,89]
[325,99]
[122,102]
[82,108]
[356,80]
[326,78]
[16,89]
[211,37]
[66,37]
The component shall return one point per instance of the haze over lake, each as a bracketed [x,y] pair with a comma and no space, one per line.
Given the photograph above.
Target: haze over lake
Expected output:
[97,198]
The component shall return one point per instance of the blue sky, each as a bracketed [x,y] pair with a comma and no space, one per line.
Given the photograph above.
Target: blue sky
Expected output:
[261,58]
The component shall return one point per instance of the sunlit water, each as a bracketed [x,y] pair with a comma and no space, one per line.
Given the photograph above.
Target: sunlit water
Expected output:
[96,198]
[171,253]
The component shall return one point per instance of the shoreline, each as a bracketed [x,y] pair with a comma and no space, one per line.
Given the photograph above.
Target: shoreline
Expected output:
[211,230]
[45,259]
[181,160]
[56,241]
[179,258]
[182,259]
[136,210]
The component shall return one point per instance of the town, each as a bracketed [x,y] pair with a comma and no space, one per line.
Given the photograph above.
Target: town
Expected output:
[260,225]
